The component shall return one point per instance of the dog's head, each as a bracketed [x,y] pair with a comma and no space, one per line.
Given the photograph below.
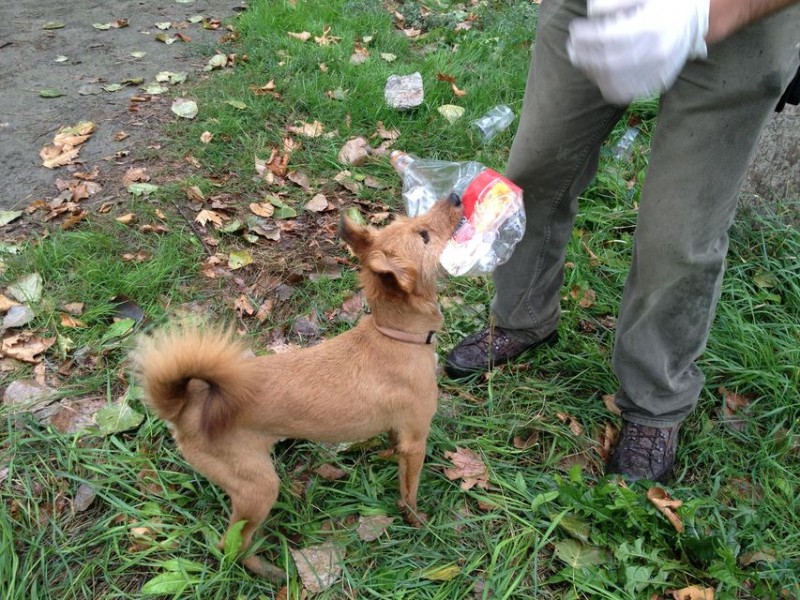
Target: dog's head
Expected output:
[402,259]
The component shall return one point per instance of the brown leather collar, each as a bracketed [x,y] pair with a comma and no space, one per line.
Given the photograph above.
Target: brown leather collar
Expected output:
[404,336]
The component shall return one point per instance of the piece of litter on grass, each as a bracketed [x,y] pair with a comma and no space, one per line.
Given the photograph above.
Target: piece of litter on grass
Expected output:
[61,58]
[50,93]
[138,54]
[186,109]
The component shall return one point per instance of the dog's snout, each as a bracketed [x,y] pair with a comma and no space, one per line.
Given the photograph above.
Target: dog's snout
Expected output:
[454,199]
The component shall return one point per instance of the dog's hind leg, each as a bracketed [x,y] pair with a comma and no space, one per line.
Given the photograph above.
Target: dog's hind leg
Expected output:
[242,467]
[410,449]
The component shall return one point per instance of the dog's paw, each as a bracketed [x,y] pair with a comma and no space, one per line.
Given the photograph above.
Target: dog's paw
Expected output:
[412,516]
[260,567]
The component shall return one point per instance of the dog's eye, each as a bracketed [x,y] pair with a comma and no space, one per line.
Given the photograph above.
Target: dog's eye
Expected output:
[424,235]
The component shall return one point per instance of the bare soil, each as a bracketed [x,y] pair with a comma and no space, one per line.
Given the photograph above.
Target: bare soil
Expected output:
[94,58]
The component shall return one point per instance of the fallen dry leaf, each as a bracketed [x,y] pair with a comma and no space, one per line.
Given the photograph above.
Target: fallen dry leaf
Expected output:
[330,473]
[585,298]
[693,592]
[452,81]
[607,440]
[319,566]
[372,527]
[68,320]
[204,216]
[354,152]
[206,137]
[26,347]
[303,36]
[243,306]
[300,178]
[468,467]
[195,194]
[262,209]
[66,145]
[6,303]
[326,39]
[311,130]
[74,308]
[666,505]
[318,203]
[135,174]
[126,219]
[611,404]
[574,426]
[526,441]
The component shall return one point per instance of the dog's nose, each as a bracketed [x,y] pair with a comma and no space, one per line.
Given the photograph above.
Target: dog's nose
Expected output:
[454,199]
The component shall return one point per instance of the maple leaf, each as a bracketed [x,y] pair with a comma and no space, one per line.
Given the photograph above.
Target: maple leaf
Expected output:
[326,39]
[205,215]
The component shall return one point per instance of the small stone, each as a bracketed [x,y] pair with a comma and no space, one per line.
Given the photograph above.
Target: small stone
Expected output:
[404,92]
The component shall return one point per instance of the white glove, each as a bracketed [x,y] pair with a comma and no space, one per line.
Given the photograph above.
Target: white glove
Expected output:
[635,48]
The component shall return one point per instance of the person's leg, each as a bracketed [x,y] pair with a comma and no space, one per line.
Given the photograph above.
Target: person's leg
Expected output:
[708,125]
[553,158]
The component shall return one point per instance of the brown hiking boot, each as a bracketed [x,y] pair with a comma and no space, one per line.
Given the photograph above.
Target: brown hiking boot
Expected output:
[485,350]
[644,453]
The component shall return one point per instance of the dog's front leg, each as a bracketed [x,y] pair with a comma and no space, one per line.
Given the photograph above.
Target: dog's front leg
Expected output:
[410,450]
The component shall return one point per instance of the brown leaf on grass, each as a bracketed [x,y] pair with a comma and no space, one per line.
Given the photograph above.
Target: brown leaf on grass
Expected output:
[300,178]
[330,473]
[360,54]
[194,194]
[303,36]
[243,306]
[154,228]
[607,440]
[183,37]
[527,440]
[73,219]
[452,81]
[352,308]
[354,152]
[26,347]
[135,174]
[319,203]
[262,209]
[268,89]
[468,467]
[662,501]
[66,145]
[68,320]
[319,567]
[205,216]
[693,592]
[140,256]
[276,165]
[265,310]
[126,219]
[372,527]
[120,135]
[585,298]
[326,39]
[611,404]
[574,426]
[74,308]
[733,407]
[387,134]
[206,137]
[310,130]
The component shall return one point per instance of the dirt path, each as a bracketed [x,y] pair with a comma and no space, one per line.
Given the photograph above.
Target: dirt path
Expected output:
[94,58]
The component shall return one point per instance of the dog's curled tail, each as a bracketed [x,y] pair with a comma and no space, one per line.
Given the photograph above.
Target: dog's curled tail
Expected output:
[168,361]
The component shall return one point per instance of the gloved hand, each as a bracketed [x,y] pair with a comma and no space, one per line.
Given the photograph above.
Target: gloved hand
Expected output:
[635,48]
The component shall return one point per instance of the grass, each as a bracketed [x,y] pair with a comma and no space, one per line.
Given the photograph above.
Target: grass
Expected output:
[549,525]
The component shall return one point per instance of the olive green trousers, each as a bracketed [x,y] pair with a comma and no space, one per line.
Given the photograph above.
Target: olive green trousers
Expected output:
[707,128]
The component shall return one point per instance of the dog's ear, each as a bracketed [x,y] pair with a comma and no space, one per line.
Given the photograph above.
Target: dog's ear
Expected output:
[394,270]
[355,235]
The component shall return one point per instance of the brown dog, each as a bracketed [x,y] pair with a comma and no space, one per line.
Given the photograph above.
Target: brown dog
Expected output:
[227,410]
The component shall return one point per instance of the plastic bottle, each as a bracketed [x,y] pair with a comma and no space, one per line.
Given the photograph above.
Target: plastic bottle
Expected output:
[494,217]
[496,119]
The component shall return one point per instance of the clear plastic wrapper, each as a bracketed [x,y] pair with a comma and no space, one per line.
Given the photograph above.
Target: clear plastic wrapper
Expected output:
[494,217]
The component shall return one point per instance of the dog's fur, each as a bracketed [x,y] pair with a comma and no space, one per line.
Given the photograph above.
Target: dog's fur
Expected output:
[227,410]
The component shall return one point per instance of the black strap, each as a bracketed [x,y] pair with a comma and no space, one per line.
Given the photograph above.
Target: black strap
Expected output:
[792,93]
